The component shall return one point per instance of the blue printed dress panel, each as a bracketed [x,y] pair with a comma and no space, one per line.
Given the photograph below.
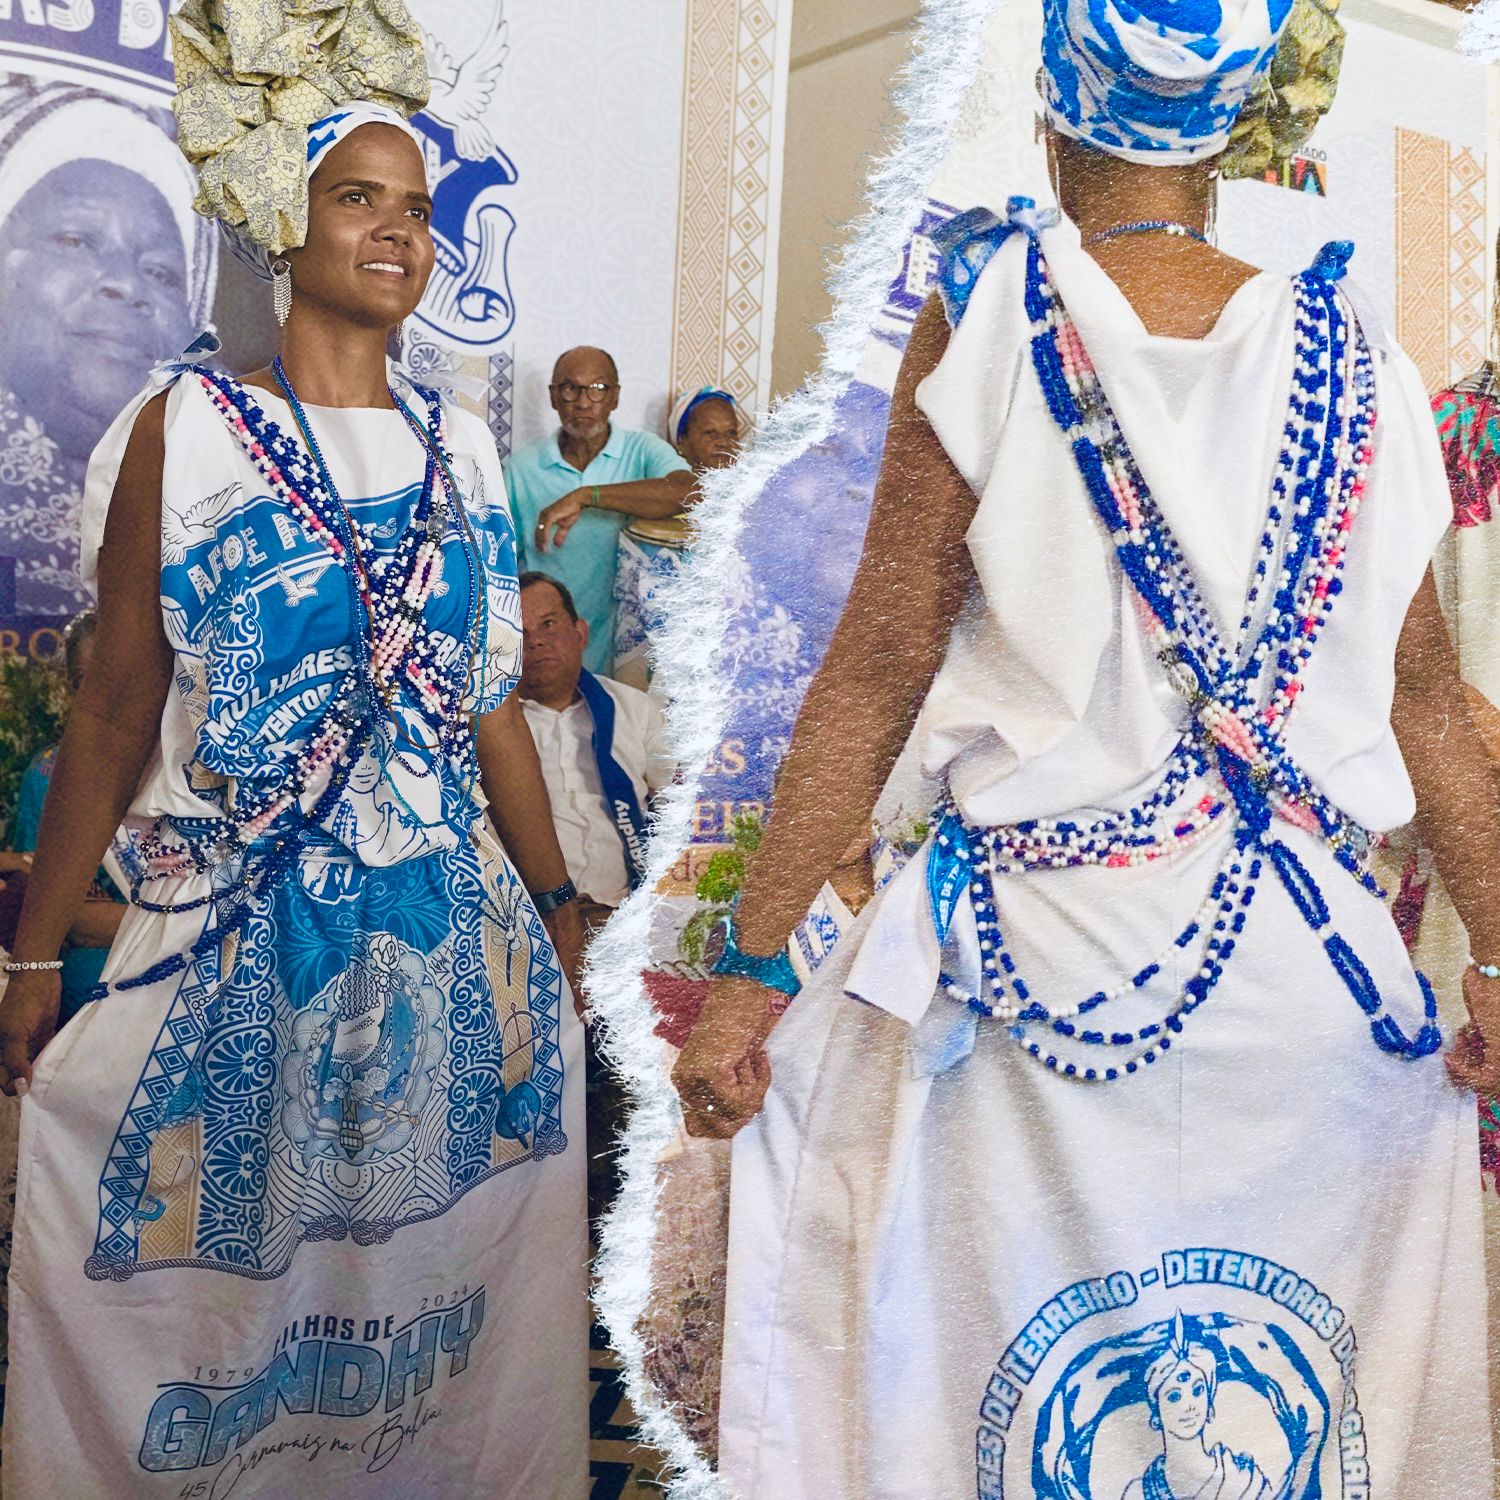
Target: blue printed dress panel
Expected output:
[377,1033]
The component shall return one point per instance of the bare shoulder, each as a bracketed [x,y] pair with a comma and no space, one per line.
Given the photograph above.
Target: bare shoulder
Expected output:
[1178,288]
[134,513]
[918,480]
[146,449]
[132,645]
[1229,273]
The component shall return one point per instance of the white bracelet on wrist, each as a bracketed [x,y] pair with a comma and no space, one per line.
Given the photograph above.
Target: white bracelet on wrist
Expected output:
[13,966]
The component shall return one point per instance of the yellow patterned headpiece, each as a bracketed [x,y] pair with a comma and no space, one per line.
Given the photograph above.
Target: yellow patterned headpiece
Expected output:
[1292,96]
[252,75]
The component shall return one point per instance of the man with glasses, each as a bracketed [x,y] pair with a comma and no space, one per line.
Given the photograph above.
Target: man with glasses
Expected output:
[573,493]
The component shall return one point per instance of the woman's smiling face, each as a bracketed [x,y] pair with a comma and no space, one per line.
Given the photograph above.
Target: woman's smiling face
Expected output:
[369,250]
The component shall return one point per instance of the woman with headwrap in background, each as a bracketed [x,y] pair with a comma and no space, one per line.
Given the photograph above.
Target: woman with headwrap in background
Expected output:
[300,1206]
[704,427]
[104,269]
[1130,1051]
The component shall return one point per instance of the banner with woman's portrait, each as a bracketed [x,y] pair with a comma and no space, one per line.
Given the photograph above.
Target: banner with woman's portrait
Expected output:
[105,269]
[552,228]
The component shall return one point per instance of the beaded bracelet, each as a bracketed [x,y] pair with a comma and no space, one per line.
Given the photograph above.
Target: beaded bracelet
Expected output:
[774,971]
[1487,971]
[17,966]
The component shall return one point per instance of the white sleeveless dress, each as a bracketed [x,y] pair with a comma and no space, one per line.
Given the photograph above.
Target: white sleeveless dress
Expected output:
[305,1214]
[1257,1262]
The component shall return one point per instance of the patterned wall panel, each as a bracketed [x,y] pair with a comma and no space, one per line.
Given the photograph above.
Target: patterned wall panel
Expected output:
[734,91]
[1441,256]
[1468,262]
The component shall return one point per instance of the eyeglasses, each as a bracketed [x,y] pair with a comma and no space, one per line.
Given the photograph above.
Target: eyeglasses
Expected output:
[567,390]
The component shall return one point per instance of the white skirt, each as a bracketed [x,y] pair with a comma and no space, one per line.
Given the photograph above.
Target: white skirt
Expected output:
[1252,1269]
[355,1264]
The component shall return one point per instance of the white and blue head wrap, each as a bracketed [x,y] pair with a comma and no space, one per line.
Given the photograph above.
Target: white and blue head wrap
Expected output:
[322,136]
[688,402]
[1155,81]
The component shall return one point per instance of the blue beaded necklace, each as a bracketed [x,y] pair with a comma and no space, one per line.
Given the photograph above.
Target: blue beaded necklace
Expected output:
[429,520]
[1172,227]
[390,636]
[1240,693]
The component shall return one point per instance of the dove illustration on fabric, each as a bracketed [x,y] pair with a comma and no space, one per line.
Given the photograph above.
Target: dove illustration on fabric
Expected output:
[301,587]
[197,523]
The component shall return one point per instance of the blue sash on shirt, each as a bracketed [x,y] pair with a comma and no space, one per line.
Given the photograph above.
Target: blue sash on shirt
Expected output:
[619,790]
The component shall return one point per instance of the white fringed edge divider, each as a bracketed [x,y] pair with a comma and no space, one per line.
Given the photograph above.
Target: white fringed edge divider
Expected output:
[947,49]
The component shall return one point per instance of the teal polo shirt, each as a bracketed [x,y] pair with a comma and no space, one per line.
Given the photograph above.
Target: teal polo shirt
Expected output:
[537,475]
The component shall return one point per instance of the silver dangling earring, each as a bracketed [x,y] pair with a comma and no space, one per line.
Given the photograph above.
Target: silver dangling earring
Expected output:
[1211,218]
[281,290]
[400,332]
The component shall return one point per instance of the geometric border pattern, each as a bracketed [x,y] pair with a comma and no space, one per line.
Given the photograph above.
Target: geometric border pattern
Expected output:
[1422,253]
[726,209]
[123,1180]
[501,399]
[1468,262]
[1442,270]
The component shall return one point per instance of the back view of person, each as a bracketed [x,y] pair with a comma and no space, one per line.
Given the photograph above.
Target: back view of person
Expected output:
[1138,1170]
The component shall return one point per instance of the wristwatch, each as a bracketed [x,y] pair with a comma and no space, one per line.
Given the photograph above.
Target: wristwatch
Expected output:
[547,902]
[774,972]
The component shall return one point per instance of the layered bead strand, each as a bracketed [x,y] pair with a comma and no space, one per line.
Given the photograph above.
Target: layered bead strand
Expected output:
[1326,444]
[1238,721]
[391,592]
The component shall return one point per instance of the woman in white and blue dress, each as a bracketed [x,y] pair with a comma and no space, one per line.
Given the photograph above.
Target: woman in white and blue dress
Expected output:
[301,1195]
[1126,1083]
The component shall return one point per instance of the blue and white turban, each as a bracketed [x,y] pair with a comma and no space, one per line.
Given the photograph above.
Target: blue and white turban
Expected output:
[322,136]
[688,402]
[1155,81]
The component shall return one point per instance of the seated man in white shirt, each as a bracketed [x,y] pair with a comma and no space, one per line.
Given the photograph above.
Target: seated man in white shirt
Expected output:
[600,744]
[603,759]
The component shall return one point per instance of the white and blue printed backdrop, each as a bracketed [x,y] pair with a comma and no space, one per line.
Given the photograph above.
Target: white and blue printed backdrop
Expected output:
[561,137]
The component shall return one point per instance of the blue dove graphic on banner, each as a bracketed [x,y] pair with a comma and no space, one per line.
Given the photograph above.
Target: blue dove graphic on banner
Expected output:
[468,300]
